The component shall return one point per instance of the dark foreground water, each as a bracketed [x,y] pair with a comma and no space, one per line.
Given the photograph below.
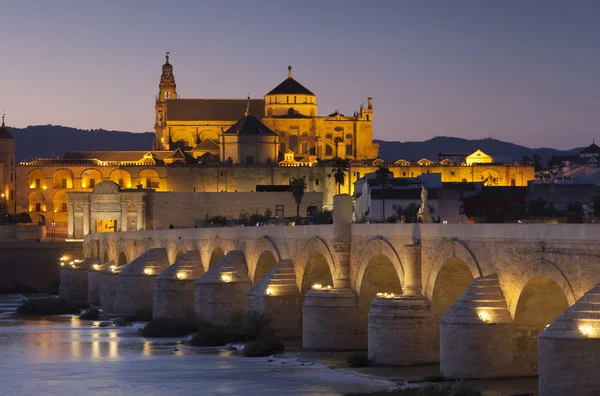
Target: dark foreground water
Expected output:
[59,356]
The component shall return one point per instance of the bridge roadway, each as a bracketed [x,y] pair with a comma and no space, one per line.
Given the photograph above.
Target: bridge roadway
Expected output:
[477,298]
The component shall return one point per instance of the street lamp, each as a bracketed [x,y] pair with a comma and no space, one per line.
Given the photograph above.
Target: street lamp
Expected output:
[53,224]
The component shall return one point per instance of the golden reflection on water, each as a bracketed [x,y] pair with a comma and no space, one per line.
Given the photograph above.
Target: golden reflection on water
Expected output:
[147,349]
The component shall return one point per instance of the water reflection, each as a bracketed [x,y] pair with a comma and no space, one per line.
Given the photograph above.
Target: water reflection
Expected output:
[58,356]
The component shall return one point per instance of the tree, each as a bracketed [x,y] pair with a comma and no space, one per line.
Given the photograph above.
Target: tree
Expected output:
[537,162]
[381,178]
[298,187]
[525,159]
[339,174]
[596,205]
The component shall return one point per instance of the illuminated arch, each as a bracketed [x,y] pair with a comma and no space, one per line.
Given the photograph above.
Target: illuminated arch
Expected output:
[63,178]
[536,268]
[37,202]
[121,177]
[315,248]
[90,178]
[37,179]
[448,251]
[378,247]
[149,178]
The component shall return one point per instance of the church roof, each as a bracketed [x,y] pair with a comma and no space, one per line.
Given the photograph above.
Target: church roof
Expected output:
[249,125]
[591,149]
[4,134]
[107,156]
[211,109]
[290,86]
[178,154]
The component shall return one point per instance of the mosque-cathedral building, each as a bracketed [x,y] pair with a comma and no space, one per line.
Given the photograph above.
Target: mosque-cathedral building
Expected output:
[230,145]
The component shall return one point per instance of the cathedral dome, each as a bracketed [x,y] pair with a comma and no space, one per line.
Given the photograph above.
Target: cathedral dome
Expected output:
[289,86]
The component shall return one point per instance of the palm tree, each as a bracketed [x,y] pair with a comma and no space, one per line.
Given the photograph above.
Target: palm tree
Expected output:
[339,173]
[298,187]
[381,177]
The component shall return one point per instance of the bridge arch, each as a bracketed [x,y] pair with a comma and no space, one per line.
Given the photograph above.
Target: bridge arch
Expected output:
[533,270]
[122,259]
[447,252]
[317,265]
[266,256]
[377,252]
[216,254]
[105,259]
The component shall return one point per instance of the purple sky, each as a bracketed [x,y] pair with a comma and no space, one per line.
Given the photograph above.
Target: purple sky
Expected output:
[523,71]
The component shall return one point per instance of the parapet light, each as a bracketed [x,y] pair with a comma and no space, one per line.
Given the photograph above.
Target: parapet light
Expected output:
[148,271]
[113,268]
[95,267]
[586,330]
[64,258]
[317,286]
[385,295]
[226,278]
[181,275]
[270,291]
[484,316]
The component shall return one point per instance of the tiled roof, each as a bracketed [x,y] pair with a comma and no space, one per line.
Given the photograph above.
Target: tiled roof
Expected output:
[207,145]
[249,125]
[591,149]
[125,156]
[4,134]
[212,109]
[290,86]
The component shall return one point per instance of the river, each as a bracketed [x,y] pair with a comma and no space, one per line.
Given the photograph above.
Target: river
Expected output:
[63,355]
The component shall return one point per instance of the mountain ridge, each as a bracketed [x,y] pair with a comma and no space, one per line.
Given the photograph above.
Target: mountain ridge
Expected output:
[48,141]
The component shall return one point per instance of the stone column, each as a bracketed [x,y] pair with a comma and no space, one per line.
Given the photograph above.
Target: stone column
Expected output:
[71,220]
[123,216]
[342,237]
[86,218]
[412,270]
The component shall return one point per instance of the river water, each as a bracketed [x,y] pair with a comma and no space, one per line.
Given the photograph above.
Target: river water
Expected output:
[62,355]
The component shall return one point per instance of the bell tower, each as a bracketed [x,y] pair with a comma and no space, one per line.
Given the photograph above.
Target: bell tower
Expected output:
[166,90]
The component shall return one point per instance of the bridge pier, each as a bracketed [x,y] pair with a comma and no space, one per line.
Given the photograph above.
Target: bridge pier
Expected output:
[477,337]
[331,318]
[135,282]
[277,297]
[74,280]
[174,288]
[402,332]
[569,350]
[107,288]
[94,282]
[223,290]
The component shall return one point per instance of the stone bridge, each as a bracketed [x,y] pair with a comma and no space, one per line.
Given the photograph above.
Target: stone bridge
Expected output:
[477,298]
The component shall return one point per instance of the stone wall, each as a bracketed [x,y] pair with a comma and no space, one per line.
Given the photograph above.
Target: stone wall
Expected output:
[34,263]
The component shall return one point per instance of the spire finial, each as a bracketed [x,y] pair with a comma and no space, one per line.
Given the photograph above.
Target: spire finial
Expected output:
[247,112]
[290,71]
[167,56]
[3,119]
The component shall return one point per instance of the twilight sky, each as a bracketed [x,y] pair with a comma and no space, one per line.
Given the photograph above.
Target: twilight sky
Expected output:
[523,71]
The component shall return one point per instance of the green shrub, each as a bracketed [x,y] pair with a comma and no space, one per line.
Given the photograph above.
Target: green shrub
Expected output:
[358,359]
[90,314]
[139,317]
[265,346]
[247,326]
[210,336]
[168,328]
[434,378]
[455,389]
[48,306]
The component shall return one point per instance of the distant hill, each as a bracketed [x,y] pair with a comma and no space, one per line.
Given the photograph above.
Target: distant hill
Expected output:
[49,141]
[450,145]
[53,140]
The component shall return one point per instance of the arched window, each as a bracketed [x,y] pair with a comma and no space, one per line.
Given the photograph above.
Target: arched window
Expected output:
[63,178]
[121,177]
[149,178]
[90,177]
